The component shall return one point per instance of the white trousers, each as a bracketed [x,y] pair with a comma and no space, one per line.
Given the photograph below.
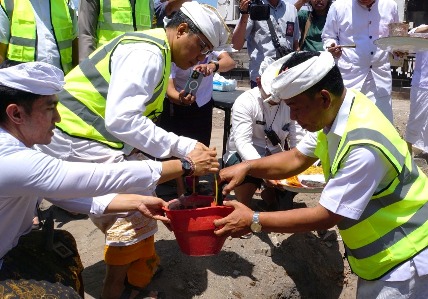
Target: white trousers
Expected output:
[384,103]
[417,126]
[414,288]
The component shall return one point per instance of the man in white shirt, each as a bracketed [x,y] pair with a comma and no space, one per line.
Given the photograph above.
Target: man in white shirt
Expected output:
[27,117]
[375,193]
[109,108]
[283,17]
[365,67]
[253,120]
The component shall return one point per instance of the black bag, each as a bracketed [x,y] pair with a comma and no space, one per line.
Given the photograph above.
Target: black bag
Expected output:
[281,51]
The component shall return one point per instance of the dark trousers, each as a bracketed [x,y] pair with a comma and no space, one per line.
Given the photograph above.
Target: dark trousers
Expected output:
[189,121]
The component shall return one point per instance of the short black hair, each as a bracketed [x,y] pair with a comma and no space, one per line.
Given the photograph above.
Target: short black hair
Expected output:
[332,82]
[10,95]
[180,18]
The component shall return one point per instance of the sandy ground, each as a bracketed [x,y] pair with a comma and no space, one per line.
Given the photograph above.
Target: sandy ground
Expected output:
[265,266]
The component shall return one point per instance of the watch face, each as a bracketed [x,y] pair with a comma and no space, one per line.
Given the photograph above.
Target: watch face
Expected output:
[256,227]
[187,167]
[185,164]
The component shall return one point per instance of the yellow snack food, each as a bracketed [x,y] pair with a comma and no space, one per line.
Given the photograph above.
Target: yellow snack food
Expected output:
[313,170]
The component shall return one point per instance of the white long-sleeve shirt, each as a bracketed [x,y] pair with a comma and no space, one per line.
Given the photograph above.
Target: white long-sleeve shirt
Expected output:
[250,117]
[28,175]
[347,23]
[136,69]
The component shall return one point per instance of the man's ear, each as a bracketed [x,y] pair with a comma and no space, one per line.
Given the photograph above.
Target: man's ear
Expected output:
[182,29]
[15,113]
[326,98]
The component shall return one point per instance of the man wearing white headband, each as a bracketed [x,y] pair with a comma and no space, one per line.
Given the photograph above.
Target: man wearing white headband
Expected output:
[261,127]
[375,193]
[109,108]
[27,117]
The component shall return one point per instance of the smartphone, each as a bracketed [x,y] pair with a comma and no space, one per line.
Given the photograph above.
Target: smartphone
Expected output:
[193,82]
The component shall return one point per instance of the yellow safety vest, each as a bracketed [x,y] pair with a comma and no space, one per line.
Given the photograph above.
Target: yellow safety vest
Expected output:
[23,30]
[83,100]
[118,16]
[394,226]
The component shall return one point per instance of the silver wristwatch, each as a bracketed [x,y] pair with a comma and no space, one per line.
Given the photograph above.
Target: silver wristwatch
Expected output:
[256,227]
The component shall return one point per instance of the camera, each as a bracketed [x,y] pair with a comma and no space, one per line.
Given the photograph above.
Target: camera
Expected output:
[258,11]
[193,82]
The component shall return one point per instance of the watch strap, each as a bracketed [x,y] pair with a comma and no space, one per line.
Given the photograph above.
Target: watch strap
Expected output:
[256,227]
[256,217]
[188,166]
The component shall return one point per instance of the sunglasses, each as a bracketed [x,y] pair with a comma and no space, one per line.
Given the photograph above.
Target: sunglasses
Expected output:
[205,50]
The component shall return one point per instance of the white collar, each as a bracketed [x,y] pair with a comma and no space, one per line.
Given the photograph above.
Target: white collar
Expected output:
[339,124]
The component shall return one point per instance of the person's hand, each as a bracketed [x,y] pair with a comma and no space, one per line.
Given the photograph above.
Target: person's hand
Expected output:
[243,5]
[186,99]
[201,146]
[151,207]
[205,161]
[335,50]
[172,204]
[207,68]
[235,224]
[399,54]
[234,175]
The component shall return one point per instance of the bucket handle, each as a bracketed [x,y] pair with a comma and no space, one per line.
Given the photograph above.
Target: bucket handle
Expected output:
[218,198]
[218,191]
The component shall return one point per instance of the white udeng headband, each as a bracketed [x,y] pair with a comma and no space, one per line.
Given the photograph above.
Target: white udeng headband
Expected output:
[299,78]
[211,24]
[35,77]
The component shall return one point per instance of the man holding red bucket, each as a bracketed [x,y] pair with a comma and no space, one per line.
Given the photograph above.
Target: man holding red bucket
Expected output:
[375,193]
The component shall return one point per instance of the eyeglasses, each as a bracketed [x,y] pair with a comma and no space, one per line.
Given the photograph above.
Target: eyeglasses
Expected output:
[205,50]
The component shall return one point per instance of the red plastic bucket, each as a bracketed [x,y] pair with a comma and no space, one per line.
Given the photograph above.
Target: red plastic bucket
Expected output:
[192,223]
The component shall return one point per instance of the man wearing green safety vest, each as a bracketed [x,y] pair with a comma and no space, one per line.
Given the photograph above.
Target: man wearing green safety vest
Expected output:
[102,20]
[375,193]
[107,109]
[39,31]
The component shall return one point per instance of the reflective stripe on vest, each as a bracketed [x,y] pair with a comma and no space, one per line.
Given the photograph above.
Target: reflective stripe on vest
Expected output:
[83,100]
[118,17]
[23,31]
[393,226]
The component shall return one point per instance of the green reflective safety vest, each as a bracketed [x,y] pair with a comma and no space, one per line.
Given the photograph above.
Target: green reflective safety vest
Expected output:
[23,31]
[118,16]
[83,100]
[394,226]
